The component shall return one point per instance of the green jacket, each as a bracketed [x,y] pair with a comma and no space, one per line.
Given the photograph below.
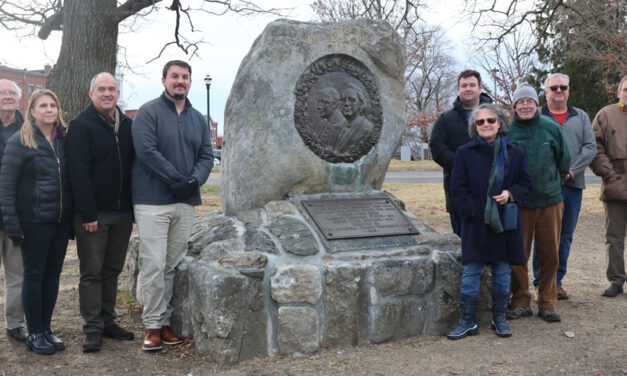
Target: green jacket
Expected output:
[547,155]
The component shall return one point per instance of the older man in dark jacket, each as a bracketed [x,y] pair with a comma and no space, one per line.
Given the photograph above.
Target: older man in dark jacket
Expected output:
[100,152]
[450,132]
[10,122]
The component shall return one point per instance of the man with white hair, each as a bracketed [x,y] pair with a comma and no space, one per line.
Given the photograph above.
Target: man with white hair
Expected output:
[10,122]
[577,130]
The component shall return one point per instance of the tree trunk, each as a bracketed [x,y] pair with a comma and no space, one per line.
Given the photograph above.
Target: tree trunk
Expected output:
[90,36]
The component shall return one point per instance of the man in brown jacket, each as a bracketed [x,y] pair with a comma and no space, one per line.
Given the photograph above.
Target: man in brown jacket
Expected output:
[610,130]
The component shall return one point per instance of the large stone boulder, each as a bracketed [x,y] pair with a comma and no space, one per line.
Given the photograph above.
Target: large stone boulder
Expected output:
[273,143]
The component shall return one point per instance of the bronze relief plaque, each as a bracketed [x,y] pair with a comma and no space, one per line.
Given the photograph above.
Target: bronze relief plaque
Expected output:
[338,109]
[358,218]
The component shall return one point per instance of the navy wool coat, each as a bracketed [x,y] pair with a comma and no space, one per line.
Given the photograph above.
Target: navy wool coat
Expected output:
[469,185]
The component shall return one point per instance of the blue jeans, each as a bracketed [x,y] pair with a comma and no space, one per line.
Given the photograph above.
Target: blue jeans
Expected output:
[572,206]
[471,278]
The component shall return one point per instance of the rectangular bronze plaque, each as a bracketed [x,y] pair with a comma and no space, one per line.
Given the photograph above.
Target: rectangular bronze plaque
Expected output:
[358,218]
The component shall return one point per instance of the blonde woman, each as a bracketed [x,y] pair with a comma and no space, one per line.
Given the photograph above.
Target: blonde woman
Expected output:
[36,210]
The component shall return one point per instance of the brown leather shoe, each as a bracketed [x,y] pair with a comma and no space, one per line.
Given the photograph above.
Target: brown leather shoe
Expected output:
[152,340]
[169,337]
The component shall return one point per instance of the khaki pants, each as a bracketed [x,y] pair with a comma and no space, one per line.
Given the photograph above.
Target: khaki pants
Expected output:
[11,256]
[164,231]
[615,229]
[544,225]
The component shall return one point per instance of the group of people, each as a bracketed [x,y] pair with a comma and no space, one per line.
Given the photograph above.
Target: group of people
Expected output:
[91,180]
[514,189]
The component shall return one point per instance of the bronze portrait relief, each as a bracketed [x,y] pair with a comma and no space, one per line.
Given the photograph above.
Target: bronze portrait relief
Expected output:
[338,111]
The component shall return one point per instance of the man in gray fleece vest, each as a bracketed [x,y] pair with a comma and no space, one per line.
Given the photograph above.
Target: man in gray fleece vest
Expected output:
[582,146]
[173,158]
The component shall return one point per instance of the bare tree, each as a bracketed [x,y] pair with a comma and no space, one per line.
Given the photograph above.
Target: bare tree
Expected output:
[430,78]
[588,31]
[90,34]
[508,64]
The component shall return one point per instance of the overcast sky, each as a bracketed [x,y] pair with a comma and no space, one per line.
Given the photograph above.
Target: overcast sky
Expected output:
[229,38]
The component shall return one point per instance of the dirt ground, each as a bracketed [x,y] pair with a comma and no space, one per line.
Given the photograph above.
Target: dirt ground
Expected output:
[599,325]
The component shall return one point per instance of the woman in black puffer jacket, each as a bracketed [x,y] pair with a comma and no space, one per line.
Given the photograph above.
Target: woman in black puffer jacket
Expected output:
[36,210]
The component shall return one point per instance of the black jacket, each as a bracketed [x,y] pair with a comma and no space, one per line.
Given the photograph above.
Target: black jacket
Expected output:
[100,164]
[34,184]
[19,120]
[449,132]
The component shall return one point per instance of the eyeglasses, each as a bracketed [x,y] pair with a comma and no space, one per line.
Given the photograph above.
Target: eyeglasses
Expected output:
[480,122]
[9,93]
[555,87]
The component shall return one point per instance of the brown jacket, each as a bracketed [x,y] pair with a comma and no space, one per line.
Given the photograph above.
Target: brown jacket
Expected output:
[610,130]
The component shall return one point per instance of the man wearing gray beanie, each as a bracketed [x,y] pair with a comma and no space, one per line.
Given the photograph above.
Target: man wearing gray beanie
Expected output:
[549,163]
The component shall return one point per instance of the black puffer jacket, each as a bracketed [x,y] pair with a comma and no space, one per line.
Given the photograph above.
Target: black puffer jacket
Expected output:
[34,184]
[450,132]
[100,164]
[19,120]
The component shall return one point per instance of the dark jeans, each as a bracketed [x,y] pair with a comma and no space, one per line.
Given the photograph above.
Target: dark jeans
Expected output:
[101,254]
[572,206]
[43,252]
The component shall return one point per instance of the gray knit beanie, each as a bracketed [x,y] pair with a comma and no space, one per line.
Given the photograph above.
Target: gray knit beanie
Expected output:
[524,90]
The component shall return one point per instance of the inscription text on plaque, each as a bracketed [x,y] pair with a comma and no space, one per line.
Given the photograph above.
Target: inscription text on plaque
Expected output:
[358,218]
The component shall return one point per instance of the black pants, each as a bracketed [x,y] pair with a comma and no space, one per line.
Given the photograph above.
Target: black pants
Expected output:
[43,252]
[102,255]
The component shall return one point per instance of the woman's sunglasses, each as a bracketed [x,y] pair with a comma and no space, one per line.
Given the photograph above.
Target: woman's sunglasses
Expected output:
[480,122]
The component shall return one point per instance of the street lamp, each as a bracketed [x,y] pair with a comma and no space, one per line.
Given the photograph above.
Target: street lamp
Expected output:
[208,83]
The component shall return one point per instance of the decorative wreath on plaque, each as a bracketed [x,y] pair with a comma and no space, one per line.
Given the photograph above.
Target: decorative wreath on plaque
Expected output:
[338,110]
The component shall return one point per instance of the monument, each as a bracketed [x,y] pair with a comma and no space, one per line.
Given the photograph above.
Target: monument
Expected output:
[308,253]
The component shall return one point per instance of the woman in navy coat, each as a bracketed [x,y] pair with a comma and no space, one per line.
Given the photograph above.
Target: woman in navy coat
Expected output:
[489,173]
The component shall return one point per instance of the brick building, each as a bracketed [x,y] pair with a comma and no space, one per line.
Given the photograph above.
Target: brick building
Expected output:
[27,80]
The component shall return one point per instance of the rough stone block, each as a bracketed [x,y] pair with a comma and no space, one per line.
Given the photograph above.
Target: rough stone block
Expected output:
[217,229]
[260,132]
[397,319]
[404,277]
[295,283]
[244,260]
[445,295]
[220,297]
[258,241]
[214,251]
[132,266]
[181,319]
[275,209]
[298,330]
[346,305]
[295,236]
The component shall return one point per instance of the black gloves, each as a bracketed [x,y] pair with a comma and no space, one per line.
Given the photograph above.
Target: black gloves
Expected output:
[184,188]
